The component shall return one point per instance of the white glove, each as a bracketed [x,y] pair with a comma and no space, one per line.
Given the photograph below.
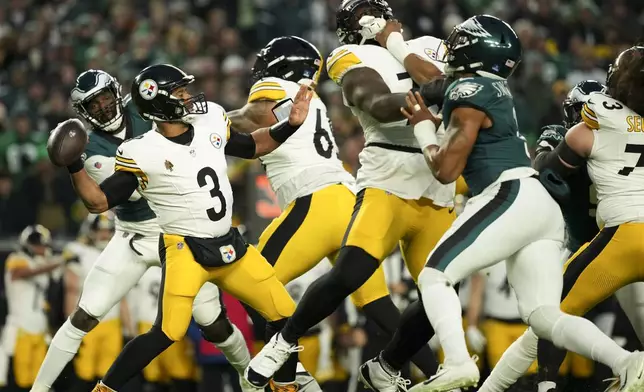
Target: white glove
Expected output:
[475,338]
[370,27]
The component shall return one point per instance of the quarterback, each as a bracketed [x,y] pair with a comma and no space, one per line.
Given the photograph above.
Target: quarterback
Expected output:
[315,192]
[180,168]
[26,279]
[607,142]
[483,143]
[97,99]
[397,194]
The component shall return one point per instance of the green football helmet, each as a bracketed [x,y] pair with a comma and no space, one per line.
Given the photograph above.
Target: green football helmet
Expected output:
[484,45]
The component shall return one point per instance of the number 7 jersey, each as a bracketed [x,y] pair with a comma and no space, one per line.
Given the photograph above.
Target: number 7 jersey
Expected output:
[308,160]
[187,185]
[616,161]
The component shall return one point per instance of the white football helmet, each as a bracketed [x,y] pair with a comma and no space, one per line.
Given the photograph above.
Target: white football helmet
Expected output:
[97,99]
[35,240]
[98,229]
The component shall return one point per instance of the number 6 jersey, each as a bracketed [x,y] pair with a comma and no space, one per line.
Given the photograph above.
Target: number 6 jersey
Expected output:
[616,162]
[187,185]
[308,160]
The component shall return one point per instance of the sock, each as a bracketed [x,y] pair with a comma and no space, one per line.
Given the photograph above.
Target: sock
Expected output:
[550,360]
[386,315]
[514,362]
[545,386]
[583,337]
[443,310]
[235,350]
[62,349]
[136,355]
[353,268]
[414,330]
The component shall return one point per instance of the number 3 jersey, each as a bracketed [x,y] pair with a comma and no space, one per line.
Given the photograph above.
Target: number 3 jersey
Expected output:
[391,159]
[616,162]
[187,185]
[308,160]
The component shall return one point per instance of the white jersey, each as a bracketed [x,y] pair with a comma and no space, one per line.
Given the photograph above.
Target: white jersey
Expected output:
[147,297]
[615,162]
[186,185]
[308,160]
[86,256]
[500,301]
[26,297]
[405,174]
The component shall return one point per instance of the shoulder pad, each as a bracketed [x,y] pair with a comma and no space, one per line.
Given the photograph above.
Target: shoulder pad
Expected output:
[342,60]
[603,111]
[267,89]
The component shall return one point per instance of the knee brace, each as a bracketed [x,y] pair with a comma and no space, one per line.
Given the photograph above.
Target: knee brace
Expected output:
[83,320]
[544,320]
[430,276]
[218,331]
[207,312]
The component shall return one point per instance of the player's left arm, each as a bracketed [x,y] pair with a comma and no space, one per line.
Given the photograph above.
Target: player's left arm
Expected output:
[448,159]
[265,140]
[420,70]
[572,153]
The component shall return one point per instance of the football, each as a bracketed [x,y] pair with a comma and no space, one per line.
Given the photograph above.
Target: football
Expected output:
[67,142]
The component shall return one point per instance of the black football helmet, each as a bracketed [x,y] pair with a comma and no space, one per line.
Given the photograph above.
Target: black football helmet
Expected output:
[484,45]
[348,17]
[153,94]
[613,69]
[289,58]
[576,98]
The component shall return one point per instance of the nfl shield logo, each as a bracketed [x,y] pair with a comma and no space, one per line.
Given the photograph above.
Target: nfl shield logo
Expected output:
[228,254]
[215,140]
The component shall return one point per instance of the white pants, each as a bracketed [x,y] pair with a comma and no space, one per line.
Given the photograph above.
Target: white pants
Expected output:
[516,221]
[120,267]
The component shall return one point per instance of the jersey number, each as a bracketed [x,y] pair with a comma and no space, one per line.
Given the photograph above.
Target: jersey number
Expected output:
[635,149]
[321,133]
[215,192]
[613,106]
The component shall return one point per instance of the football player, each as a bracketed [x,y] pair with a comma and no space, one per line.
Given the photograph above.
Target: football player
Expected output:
[607,142]
[180,168]
[176,366]
[97,99]
[102,345]
[26,280]
[314,190]
[484,144]
[397,195]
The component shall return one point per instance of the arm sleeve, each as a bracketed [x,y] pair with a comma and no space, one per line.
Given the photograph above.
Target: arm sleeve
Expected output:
[119,186]
[241,145]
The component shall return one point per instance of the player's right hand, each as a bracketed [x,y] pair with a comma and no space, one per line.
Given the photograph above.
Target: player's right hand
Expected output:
[551,136]
[300,109]
[475,338]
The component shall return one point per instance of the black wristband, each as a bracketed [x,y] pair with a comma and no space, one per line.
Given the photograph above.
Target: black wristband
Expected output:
[75,166]
[282,131]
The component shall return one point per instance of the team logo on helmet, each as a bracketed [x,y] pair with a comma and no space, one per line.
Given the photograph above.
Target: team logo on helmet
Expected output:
[148,89]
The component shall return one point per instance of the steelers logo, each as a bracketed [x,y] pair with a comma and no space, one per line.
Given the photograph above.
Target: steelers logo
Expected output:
[148,89]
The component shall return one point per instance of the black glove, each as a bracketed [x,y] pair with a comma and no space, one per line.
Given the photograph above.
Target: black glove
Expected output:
[551,136]
[433,93]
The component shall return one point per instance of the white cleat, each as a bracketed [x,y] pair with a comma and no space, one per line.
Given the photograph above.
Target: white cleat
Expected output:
[269,360]
[375,377]
[631,377]
[449,377]
[248,387]
[305,381]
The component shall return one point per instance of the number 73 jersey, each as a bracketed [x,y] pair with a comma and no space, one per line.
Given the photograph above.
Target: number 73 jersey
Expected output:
[186,185]
[308,160]
[616,162]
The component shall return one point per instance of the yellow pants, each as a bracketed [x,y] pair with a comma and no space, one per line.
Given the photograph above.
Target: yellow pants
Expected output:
[310,229]
[29,353]
[175,363]
[381,220]
[99,350]
[250,279]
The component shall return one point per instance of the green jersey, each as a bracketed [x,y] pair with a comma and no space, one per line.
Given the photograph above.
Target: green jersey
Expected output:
[105,144]
[497,148]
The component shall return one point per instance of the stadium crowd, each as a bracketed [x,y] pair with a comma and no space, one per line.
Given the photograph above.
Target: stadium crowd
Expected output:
[45,44]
